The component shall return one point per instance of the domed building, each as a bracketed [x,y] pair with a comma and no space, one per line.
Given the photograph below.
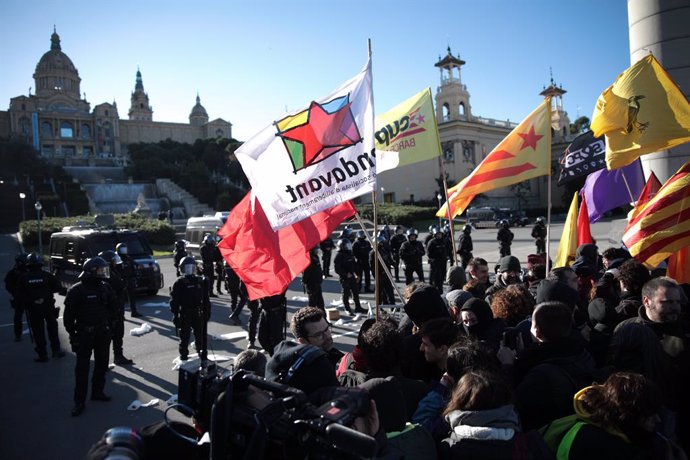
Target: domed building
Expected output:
[58,121]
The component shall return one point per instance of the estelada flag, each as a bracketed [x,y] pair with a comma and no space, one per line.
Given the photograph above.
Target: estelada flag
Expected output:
[651,188]
[662,226]
[267,260]
[407,133]
[457,204]
[568,245]
[679,266]
[317,157]
[643,112]
[524,154]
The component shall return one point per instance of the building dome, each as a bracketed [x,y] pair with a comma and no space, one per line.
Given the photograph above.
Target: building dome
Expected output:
[198,116]
[55,71]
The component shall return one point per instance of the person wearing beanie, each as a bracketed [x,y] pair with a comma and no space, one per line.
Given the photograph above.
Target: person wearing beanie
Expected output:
[456,299]
[509,270]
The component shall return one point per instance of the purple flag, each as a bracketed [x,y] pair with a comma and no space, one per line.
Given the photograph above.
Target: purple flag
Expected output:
[605,190]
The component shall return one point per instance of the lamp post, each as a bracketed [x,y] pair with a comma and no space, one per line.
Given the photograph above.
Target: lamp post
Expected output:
[440,222]
[38,207]
[22,196]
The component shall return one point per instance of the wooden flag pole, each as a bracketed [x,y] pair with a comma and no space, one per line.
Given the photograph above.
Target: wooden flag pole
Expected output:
[376,251]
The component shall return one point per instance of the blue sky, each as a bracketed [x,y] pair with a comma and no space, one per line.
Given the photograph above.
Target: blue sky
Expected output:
[252,60]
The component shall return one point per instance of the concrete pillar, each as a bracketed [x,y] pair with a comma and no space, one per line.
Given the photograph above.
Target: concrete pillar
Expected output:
[661,26]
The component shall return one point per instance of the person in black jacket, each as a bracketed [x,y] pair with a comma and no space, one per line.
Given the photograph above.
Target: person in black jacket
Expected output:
[178,254]
[232,284]
[360,249]
[411,253]
[120,289]
[35,293]
[208,261]
[326,247]
[190,306]
[90,310]
[465,246]
[386,295]
[396,242]
[11,285]
[539,235]
[128,274]
[436,252]
[505,238]
[312,277]
[345,266]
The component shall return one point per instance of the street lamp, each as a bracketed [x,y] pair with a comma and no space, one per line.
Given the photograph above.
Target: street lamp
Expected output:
[38,207]
[22,196]
[440,223]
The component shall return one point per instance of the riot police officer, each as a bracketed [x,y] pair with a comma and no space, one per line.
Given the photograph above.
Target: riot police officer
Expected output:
[465,246]
[120,289]
[312,277]
[128,273]
[385,296]
[396,241]
[272,321]
[232,284]
[208,259]
[539,235]
[436,252]
[326,247]
[411,253]
[12,286]
[190,306]
[360,249]
[35,290]
[345,266]
[505,238]
[179,252]
[90,310]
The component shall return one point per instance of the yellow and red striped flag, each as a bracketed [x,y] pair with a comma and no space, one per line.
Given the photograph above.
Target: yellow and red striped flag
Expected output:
[679,266]
[524,154]
[662,225]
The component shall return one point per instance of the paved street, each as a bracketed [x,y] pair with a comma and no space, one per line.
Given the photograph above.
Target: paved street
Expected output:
[36,398]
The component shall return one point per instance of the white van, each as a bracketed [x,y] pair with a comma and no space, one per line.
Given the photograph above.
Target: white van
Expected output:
[198,228]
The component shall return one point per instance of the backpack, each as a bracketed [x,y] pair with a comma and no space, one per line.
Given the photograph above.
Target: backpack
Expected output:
[560,434]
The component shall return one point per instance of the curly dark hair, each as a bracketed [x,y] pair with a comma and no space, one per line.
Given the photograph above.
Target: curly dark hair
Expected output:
[301,317]
[634,275]
[512,304]
[622,402]
[380,344]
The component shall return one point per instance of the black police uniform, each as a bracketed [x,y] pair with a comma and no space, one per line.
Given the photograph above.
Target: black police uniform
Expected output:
[232,284]
[12,287]
[35,290]
[505,239]
[539,235]
[360,249]
[411,253]
[118,325]
[128,274]
[254,313]
[312,277]
[396,242]
[190,305]
[436,252]
[386,296]
[218,261]
[208,260]
[327,247]
[345,266]
[272,321]
[90,310]
[465,248]
[178,255]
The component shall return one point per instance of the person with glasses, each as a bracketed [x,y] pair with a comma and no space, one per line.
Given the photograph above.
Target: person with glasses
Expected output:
[309,326]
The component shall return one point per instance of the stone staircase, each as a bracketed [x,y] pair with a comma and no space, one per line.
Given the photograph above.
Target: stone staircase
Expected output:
[176,194]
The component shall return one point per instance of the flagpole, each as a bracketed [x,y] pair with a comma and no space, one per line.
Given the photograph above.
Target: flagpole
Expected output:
[375,212]
[632,199]
[548,226]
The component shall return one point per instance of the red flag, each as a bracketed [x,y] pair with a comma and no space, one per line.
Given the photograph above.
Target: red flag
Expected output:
[266,260]
[584,235]
[650,189]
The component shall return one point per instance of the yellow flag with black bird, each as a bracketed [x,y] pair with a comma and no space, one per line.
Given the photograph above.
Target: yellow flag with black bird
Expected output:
[643,112]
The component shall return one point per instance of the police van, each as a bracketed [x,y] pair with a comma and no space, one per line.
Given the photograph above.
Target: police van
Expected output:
[197,229]
[73,245]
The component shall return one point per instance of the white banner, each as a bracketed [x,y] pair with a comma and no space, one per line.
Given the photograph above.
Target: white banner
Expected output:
[317,157]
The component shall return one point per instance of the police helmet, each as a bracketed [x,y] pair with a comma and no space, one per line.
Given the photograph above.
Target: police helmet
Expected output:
[121,249]
[381,239]
[467,228]
[344,244]
[361,235]
[432,227]
[180,244]
[209,240]
[20,259]
[110,256]
[504,223]
[412,231]
[386,229]
[34,260]
[540,220]
[435,231]
[96,267]
[446,228]
[188,265]
[382,233]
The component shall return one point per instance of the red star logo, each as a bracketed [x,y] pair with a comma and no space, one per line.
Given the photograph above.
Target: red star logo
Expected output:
[325,133]
[530,139]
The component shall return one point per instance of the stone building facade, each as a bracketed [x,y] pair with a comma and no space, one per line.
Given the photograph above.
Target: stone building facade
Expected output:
[466,139]
[58,121]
